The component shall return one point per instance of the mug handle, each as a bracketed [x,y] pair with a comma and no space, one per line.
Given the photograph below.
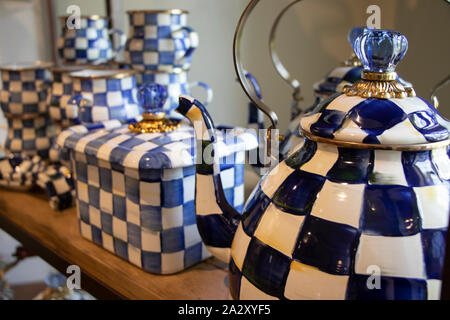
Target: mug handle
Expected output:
[193,39]
[209,91]
[122,41]
[73,106]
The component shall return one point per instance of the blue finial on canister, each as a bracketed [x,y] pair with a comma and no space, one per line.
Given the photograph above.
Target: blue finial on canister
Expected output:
[152,97]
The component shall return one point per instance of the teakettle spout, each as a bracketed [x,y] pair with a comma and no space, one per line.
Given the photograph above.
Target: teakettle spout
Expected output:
[217,221]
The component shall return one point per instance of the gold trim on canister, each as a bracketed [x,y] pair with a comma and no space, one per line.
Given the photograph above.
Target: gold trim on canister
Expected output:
[103,74]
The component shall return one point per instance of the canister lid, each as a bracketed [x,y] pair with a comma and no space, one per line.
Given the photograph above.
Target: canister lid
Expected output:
[114,143]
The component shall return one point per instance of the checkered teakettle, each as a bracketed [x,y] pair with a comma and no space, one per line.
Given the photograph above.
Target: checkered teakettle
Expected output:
[359,211]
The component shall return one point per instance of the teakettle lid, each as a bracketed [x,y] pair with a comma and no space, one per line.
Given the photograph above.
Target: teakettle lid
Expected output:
[378,109]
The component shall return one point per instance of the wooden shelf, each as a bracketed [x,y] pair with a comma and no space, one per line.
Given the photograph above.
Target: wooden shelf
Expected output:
[54,236]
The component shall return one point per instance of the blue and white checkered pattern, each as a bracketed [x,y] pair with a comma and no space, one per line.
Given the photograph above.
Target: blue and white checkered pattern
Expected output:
[90,44]
[24,92]
[29,137]
[58,184]
[107,99]
[176,84]
[336,80]
[135,192]
[20,173]
[376,121]
[159,41]
[395,218]
[60,93]
[317,224]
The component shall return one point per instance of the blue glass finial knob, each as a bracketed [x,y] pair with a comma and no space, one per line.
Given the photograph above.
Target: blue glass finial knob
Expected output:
[354,33]
[380,50]
[152,97]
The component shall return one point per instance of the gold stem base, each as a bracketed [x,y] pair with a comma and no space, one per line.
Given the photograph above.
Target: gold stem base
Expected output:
[379,89]
[154,126]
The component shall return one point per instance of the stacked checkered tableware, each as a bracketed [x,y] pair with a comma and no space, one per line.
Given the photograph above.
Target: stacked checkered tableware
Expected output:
[160,46]
[136,184]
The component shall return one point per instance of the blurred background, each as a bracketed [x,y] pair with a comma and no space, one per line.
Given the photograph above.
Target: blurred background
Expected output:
[311,40]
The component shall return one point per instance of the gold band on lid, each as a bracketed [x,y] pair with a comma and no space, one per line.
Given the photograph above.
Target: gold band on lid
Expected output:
[379,76]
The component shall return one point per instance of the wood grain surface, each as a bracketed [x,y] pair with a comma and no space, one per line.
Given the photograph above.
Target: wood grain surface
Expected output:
[29,214]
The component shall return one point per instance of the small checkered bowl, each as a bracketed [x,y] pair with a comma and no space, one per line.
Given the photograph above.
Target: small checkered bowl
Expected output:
[24,88]
[102,95]
[20,173]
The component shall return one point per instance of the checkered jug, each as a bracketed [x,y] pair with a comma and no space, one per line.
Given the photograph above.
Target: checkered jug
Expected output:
[101,95]
[360,211]
[88,41]
[159,40]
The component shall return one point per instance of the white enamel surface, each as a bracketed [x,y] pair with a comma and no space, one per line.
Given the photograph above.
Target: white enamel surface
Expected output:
[108,242]
[340,203]
[150,240]
[239,247]
[395,256]
[106,201]
[172,262]
[307,121]
[191,236]
[249,292]
[433,203]
[405,130]
[150,193]
[134,256]
[411,104]
[441,162]
[275,178]
[308,283]
[133,212]
[279,229]
[119,229]
[434,289]
[350,132]
[205,202]
[95,217]
[323,160]
[344,103]
[388,168]
[172,217]
[223,254]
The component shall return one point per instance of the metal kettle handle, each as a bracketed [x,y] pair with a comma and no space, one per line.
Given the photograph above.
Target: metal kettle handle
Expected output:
[436,88]
[248,89]
[282,71]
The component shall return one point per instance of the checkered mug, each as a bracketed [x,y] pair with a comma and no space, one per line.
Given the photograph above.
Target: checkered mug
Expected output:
[176,83]
[101,95]
[90,43]
[159,40]
[24,89]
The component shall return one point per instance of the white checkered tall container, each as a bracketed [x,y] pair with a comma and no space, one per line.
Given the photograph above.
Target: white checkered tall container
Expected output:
[136,191]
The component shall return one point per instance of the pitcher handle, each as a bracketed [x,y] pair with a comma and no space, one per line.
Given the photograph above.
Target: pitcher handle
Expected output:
[209,91]
[122,41]
[193,43]
[251,94]
[433,97]
[282,71]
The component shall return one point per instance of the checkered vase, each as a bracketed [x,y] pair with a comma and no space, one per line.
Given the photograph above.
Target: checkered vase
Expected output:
[24,92]
[159,41]
[105,99]
[88,44]
[29,137]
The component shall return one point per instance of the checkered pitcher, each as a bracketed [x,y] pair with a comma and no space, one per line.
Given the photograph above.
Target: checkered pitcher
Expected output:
[369,187]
